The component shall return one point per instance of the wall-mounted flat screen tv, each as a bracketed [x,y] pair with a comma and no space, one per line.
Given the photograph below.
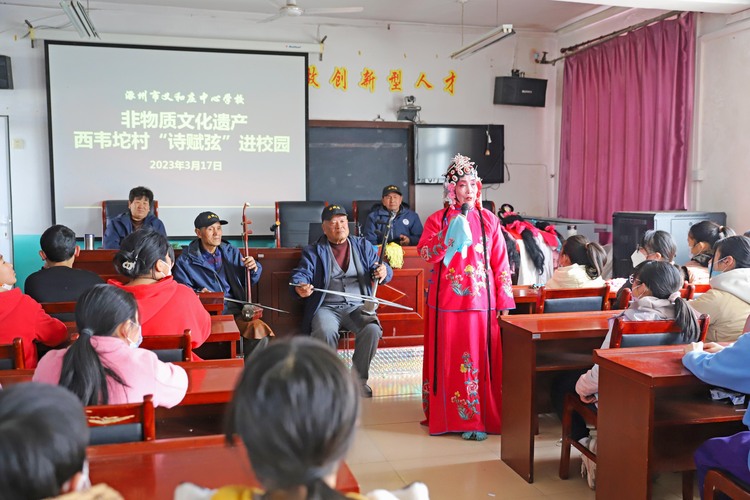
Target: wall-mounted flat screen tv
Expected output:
[436,145]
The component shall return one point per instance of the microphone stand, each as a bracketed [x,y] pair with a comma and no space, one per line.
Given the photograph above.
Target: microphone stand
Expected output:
[370,307]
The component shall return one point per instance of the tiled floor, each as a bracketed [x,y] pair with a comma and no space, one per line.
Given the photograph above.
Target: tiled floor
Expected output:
[392,450]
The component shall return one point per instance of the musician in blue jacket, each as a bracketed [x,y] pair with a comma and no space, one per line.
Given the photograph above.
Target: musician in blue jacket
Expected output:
[341,263]
[406,228]
[723,367]
[138,216]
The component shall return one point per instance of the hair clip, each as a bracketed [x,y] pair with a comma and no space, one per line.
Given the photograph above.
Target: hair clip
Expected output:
[128,265]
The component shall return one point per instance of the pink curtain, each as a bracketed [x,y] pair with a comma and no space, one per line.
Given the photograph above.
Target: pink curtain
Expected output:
[627,111]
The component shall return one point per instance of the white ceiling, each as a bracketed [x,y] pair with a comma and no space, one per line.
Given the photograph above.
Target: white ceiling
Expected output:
[543,15]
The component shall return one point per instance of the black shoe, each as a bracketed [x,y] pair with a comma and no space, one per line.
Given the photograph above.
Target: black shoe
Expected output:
[366,391]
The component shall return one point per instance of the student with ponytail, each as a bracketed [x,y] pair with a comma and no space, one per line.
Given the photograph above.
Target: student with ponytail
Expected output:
[165,306]
[581,264]
[701,240]
[295,409]
[656,296]
[105,366]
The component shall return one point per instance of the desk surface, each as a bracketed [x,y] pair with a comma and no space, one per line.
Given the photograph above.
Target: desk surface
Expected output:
[653,414]
[154,469]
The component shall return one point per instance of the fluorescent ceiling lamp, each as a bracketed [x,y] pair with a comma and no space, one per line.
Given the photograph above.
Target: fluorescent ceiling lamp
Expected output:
[712,6]
[79,18]
[490,38]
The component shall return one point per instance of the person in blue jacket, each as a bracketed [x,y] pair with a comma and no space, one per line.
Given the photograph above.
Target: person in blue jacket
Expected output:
[211,264]
[406,228]
[723,367]
[138,216]
[342,263]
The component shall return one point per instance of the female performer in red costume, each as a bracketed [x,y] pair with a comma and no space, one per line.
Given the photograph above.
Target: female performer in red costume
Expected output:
[470,287]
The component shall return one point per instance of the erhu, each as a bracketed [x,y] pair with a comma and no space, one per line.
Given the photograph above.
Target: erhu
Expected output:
[249,311]
[371,307]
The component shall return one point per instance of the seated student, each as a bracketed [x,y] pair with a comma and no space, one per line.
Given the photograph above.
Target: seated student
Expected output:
[656,296]
[723,367]
[43,439]
[655,245]
[22,316]
[406,228]
[137,217]
[296,410]
[581,264]
[701,239]
[165,306]
[728,300]
[105,366]
[57,281]
[535,249]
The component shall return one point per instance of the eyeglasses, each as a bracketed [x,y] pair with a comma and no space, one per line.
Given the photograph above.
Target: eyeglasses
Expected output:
[633,280]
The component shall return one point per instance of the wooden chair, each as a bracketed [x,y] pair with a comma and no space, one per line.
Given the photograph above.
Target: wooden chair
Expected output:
[11,355]
[360,211]
[213,302]
[113,208]
[624,334]
[170,348]
[700,288]
[125,423]
[489,205]
[624,296]
[294,218]
[572,299]
[720,481]
[59,307]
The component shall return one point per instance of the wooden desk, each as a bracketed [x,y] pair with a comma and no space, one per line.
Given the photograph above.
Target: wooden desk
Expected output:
[12,377]
[535,343]
[653,414]
[400,327]
[154,469]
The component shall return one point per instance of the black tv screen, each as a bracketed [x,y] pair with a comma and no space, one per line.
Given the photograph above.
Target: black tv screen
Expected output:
[436,145]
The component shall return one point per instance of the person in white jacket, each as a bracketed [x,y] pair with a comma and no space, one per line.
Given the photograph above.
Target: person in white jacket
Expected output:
[728,300]
[656,296]
[581,264]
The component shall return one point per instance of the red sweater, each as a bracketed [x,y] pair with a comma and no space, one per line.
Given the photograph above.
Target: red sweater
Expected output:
[22,316]
[169,308]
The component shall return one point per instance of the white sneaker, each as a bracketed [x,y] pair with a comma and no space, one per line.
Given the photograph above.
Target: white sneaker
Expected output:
[588,467]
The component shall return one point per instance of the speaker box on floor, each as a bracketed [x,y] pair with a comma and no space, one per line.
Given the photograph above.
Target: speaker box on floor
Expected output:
[6,75]
[520,91]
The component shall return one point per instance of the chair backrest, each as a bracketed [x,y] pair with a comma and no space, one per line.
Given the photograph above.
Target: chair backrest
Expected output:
[699,289]
[11,355]
[360,210]
[170,348]
[126,423]
[213,302]
[648,333]
[489,205]
[687,291]
[719,481]
[113,208]
[316,231]
[572,299]
[58,307]
[624,296]
[294,218]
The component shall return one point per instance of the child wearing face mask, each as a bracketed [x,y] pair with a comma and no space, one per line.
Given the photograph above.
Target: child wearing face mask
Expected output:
[655,245]
[701,240]
[165,306]
[105,366]
[728,300]
[656,296]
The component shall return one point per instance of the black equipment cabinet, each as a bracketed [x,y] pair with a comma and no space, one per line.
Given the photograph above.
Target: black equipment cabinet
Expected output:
[628,229]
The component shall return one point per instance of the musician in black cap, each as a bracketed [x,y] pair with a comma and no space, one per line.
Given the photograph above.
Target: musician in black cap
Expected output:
[406,228]
[341,263]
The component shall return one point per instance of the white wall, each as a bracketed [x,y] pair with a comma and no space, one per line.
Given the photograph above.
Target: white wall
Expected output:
[530,148]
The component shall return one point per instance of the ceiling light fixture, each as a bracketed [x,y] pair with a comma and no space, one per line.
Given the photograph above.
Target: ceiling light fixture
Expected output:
[79,18]
[490,38]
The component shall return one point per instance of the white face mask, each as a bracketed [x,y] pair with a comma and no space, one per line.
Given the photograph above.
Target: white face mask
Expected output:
[137,343]
[637,257]
[84,481]
[169,270]
[7,288]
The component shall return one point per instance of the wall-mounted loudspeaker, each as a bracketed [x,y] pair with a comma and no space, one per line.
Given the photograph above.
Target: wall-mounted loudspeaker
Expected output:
[520,91]
[6,75]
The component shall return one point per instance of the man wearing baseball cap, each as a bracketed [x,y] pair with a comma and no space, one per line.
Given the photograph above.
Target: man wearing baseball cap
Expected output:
[406,228]
[211,264]
[343,263]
